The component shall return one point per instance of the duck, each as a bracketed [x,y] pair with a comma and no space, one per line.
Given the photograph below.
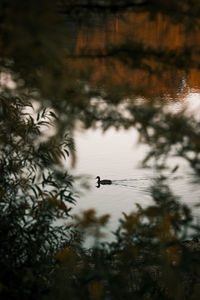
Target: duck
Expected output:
[103,182]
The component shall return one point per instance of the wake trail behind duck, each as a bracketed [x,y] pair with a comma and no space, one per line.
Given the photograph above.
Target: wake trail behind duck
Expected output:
[130,179]
[147,179]
[133,187]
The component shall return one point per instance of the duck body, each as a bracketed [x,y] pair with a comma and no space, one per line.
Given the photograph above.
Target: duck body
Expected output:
[103,182]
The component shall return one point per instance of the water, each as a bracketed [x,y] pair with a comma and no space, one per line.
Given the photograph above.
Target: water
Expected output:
[116,155]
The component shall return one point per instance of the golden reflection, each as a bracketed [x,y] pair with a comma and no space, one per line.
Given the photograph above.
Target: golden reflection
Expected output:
[153,73]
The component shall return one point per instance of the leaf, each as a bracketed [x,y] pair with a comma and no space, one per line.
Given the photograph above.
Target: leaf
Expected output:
[38,116]
[66,151]
[53,115]
[175,169]
[43,112]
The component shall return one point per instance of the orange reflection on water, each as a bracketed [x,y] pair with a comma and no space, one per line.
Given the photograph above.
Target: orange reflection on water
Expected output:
[147,75]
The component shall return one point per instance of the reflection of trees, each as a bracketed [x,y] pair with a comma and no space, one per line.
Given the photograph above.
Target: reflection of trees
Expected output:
[38,258]
[148,56]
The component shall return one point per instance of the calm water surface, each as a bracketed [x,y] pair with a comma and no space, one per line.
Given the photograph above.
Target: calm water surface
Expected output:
[116,155]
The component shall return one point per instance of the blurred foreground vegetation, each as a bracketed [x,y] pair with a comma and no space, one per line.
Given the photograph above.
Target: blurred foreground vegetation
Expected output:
[48,85]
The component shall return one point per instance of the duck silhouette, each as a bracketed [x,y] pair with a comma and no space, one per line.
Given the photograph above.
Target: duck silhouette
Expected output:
[103,182]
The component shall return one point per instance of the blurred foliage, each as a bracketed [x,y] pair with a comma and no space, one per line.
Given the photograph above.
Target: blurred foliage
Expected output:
[35,194]
[149,258]
[42,254]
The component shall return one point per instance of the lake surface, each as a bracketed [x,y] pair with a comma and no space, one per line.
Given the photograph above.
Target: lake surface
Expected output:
[124,75]
[116,155]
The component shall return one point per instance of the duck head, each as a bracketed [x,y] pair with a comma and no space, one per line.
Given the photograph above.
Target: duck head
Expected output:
[98,182]
[98,178]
